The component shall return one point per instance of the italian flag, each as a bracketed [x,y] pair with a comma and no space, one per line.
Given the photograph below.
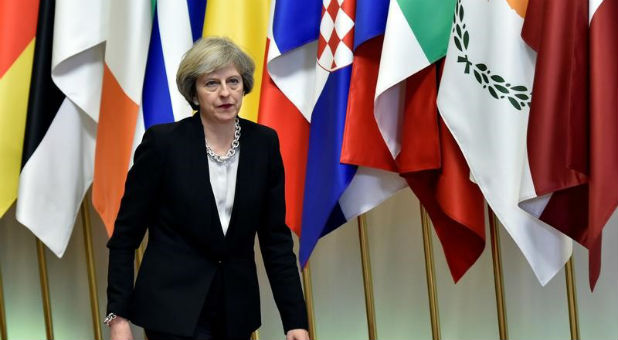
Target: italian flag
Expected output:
[396,103]
[416,35]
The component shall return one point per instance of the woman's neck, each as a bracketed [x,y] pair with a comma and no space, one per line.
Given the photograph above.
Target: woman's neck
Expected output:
[218,134]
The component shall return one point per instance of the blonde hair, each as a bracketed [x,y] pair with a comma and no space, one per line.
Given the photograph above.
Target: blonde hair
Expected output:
[208,55]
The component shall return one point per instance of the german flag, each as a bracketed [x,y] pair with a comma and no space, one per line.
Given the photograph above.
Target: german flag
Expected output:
[18,22]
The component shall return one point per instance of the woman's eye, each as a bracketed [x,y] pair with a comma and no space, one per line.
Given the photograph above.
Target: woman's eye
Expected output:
[234,81]
[211,83]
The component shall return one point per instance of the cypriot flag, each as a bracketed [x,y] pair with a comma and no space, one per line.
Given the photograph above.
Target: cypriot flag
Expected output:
[484,99]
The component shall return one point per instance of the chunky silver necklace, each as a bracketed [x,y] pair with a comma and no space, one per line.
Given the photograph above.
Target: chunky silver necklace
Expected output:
[232,151]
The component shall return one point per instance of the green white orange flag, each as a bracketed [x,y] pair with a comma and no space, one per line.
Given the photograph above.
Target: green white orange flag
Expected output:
[18,20]
[123,77]
[484,99]
[248,30]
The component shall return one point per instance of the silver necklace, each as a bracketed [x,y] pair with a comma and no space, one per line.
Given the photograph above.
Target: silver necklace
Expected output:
[232,151]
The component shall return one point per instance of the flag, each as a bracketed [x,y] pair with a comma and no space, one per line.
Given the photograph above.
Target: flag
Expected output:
[573,126]
[416,36]
[288,88]
[484,100]
[370,185]
[45,97]
[436,171]
[123,77]
[175,26]
[58,172]
[43,103]
[309,60]
[279,113]
[18,22]
[340,192]
[283,104]
[248,31]
[406,118]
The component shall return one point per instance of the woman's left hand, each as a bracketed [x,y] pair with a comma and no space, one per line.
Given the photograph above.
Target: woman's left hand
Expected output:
[297,334]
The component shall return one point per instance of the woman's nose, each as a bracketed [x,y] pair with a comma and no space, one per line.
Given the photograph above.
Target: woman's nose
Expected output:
[224,91]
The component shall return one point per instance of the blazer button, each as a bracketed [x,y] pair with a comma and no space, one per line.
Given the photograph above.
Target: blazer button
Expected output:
[219,261]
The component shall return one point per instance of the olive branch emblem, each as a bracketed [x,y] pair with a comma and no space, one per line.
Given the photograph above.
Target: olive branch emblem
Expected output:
[498,87]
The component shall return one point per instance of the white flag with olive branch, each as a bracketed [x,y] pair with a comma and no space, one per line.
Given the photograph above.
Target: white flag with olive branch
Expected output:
[484,99]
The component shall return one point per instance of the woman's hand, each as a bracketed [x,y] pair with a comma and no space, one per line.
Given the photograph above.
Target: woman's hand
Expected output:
[297,334]
[120,329]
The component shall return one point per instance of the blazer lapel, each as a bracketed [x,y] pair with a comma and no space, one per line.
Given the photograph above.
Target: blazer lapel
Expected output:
[201,174]
[243,174]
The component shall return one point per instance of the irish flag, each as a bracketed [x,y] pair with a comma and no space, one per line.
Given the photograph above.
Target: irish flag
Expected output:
[123,77]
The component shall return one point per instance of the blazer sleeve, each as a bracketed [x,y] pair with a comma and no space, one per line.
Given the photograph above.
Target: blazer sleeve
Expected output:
[276,245]
[141,188]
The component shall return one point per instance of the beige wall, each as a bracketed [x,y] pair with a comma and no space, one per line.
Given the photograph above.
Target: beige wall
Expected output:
[467,310]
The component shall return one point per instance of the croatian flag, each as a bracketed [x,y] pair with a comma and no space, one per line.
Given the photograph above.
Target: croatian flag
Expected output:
[309,67]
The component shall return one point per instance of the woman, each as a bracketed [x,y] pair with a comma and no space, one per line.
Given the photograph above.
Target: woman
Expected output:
[203,187]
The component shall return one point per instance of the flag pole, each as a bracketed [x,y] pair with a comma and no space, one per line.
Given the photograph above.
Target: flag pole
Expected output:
[49,327]
[367,277]
[431,280]
[2,314]
[92,277]
[569,273]
[498,277]
[309,300]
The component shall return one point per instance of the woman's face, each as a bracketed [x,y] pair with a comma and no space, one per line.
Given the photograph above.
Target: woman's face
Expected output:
[219,94]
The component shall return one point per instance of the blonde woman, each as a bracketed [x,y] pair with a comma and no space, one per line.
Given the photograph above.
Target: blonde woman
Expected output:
[203,187]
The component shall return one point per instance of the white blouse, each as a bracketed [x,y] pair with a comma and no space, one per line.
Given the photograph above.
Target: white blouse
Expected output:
[223,183]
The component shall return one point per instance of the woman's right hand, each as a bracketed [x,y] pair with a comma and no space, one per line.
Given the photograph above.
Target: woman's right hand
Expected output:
[120,329]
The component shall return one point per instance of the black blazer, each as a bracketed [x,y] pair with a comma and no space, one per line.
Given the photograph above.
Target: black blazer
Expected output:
[168,192]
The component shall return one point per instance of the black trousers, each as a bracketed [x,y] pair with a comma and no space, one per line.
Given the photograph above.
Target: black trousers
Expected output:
[211,324]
